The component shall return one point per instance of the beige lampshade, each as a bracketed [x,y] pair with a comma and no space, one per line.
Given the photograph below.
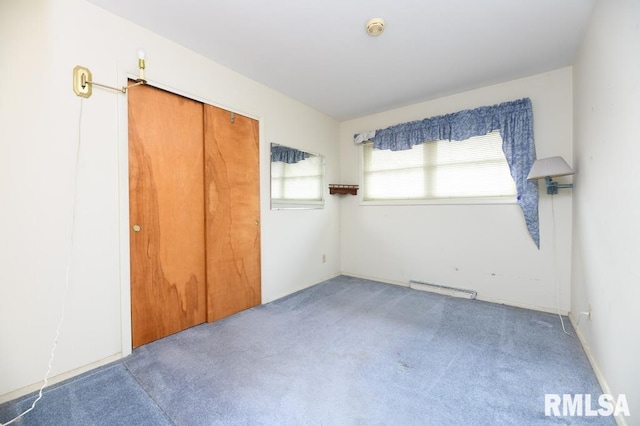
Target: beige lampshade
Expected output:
[551,167]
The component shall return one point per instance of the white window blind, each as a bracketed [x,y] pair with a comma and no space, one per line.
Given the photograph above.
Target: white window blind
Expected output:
[297,182]
[473,168]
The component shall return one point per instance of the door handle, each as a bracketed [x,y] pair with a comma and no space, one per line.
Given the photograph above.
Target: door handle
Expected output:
[136,228]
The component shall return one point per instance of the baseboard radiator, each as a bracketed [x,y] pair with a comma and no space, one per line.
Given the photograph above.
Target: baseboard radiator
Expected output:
[443,289]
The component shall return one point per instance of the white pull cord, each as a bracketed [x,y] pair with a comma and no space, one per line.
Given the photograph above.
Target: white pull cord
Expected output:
[67,277]
[555,266]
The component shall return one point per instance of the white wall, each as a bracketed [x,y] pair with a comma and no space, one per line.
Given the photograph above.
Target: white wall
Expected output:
[482,247]
[42,40]
[607,195]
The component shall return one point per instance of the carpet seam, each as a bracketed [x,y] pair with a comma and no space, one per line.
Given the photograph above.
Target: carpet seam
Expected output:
[133,376]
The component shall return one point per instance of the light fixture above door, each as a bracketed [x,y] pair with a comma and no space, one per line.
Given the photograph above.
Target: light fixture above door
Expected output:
[83,81]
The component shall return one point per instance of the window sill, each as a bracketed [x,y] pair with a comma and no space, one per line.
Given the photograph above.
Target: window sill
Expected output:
[296,205]
[442,201]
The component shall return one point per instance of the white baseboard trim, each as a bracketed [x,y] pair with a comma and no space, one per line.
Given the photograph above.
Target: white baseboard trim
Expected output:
[10,396]
[620,420]
[524,306]
[478,297]
[380,280]
[265,300]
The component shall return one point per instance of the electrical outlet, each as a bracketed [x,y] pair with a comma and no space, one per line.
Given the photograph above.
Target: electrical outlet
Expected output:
[324,258]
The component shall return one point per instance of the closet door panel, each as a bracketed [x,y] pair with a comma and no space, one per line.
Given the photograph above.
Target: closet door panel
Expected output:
[232,194]
[167,229]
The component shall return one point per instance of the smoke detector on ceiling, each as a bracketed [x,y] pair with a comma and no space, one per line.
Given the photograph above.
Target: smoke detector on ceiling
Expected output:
[375,27]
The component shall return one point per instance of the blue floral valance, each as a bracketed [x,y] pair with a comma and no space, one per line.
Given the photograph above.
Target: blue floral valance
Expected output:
[286,154]
[513,119]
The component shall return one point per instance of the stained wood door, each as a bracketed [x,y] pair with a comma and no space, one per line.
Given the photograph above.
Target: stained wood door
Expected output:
[166,196]
[232,212]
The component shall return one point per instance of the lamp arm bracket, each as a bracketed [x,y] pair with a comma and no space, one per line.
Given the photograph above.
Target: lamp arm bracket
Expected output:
[122,89]
[83,83]
[553,186]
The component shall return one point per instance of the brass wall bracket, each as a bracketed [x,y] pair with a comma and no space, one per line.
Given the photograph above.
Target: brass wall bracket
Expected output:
[83,83]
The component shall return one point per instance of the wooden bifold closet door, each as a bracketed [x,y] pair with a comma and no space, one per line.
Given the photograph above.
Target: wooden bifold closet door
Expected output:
[194,213]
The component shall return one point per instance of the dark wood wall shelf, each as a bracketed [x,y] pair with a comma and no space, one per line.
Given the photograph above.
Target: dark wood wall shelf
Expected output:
[335,188]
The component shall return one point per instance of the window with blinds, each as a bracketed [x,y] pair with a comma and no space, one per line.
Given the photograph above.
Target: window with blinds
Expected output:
[297,182]
[439,170]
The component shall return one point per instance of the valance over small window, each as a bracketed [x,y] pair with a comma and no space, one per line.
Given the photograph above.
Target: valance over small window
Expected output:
[513,119]
[286,154]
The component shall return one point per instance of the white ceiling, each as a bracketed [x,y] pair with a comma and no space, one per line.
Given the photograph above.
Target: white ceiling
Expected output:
[319,53]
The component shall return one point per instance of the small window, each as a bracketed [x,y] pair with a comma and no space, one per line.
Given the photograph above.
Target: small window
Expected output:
[439,170]
[297,185]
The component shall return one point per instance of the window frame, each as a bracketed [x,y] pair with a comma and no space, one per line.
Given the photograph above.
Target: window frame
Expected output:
[300,203]
[491,200]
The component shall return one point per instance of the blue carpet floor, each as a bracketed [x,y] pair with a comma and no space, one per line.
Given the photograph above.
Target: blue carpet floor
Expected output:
[345,352]
[107,396]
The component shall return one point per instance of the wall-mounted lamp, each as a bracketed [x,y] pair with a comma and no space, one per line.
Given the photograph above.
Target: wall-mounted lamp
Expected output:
[142,54]
[549,168]
[83,81]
